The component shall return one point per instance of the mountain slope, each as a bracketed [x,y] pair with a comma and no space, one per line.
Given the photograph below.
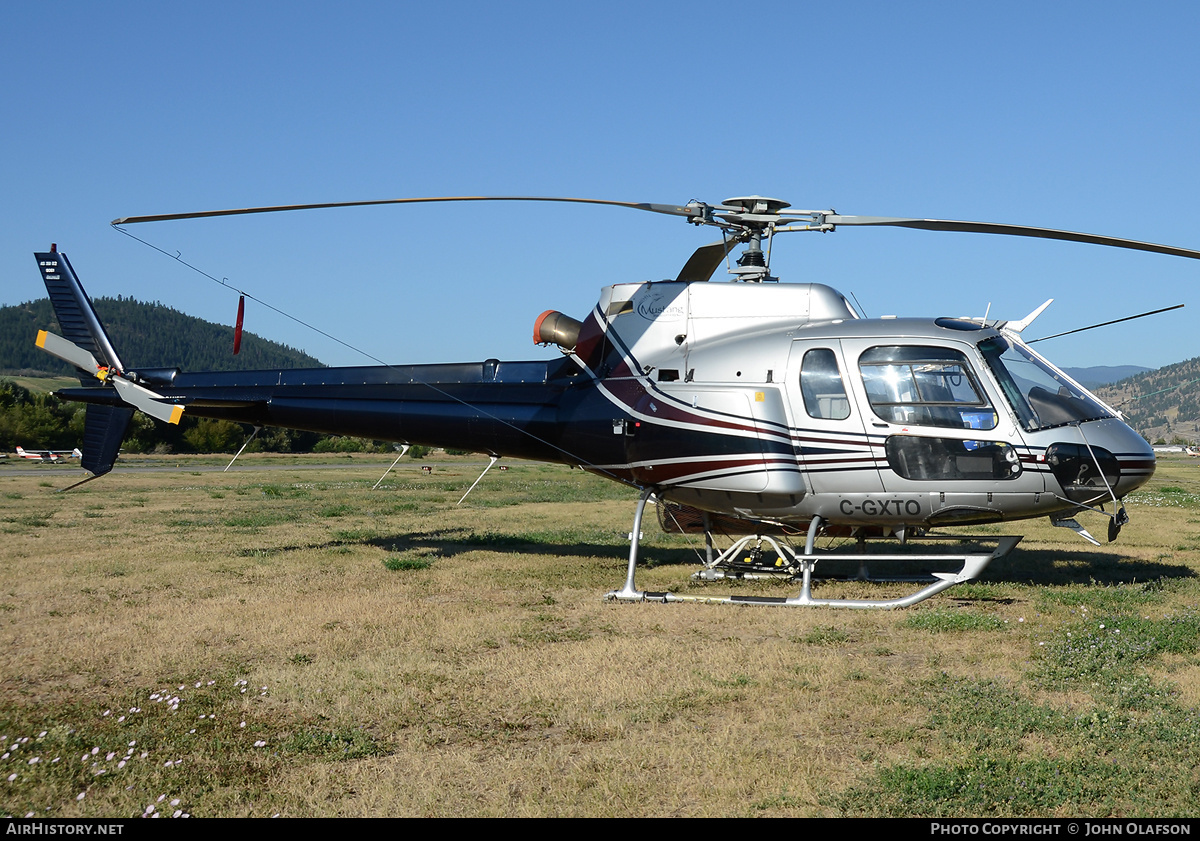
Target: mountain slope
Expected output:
[143,334]
[1102,375]
[1160,404]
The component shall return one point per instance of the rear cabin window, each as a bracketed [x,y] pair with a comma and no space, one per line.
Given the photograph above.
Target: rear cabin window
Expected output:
[924,386]
[822,386]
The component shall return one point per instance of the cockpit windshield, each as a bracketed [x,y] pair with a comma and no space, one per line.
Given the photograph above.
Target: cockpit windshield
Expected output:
[1040,394]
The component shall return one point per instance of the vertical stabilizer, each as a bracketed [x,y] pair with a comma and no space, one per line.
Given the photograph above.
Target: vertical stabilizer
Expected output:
[103,431]
[104,426]
[74,310]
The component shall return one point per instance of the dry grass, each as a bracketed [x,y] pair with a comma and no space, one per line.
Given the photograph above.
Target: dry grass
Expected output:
[405,656]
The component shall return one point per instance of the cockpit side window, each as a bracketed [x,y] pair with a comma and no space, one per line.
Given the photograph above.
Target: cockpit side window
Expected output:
[926,386]
[822,386]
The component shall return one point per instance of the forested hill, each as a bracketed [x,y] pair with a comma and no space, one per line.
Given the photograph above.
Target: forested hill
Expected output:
[1163,404]
[1101,375]
[147,335]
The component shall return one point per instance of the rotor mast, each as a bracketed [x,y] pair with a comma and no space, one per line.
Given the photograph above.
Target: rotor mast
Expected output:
[750,217]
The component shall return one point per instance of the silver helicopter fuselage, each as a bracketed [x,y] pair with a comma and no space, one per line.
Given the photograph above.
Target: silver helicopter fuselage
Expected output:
[776,402]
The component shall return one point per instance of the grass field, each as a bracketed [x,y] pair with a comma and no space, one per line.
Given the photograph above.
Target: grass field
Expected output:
[289,641]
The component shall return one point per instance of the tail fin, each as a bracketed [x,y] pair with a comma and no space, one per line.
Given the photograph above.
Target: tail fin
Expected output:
[104,426]
[103,431]
[74,310]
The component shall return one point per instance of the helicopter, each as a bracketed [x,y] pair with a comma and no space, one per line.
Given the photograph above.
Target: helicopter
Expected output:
[768,412]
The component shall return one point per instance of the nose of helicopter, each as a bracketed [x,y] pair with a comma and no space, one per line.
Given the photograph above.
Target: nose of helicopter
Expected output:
[1132,451]
[1099,453]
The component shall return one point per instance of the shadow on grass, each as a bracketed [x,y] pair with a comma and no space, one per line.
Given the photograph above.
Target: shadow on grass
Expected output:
[1033,566]
[1055,567]
[445,544]
[449,545]
[1036,567]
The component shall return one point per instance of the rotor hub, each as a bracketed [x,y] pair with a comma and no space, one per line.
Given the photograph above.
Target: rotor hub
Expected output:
[757,205]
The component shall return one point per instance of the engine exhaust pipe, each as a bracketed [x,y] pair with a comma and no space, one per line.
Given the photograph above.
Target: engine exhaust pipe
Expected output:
[554,328]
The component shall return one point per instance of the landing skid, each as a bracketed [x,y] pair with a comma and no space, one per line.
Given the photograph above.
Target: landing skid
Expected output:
[795,565]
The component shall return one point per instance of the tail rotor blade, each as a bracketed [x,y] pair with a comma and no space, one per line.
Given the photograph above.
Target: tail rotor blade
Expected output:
[132,393]
[147,401]
[70,352]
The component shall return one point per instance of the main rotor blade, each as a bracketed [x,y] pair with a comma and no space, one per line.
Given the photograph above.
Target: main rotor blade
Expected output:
[704,261]
[691,211]
[1010,230]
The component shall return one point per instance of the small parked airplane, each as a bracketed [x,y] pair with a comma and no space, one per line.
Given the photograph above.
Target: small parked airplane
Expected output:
[49,456]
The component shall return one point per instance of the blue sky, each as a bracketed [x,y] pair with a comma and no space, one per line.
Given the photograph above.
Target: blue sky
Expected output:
[1082,116]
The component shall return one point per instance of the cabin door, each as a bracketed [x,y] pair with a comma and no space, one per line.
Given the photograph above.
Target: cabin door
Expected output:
[941,429]
[828,430]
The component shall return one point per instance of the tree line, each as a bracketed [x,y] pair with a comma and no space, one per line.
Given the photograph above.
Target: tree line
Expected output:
[38,420]
[143,334]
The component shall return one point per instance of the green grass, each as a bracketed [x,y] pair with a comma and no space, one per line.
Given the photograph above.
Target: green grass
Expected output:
[125,753]
[1109,648]
[397,563]
[1127,752]
[943,620]
[427,658]
[824,635]
[1011,756]
[334,745]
